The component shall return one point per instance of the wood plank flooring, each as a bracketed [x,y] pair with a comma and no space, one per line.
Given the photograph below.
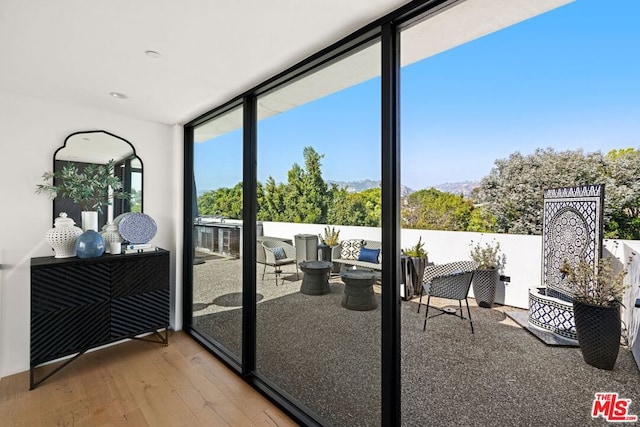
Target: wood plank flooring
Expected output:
[138,383]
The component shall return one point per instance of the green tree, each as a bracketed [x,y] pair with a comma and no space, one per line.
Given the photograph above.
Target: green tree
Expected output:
[363,208]
[305,198]
[513,191]
[622,193]
[481,220]
[432,209]
[272,206]
[223,201]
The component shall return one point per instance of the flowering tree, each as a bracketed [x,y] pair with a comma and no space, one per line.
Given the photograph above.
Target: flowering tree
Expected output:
[514,189]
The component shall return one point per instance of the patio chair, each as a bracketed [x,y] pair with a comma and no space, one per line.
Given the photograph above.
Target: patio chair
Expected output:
[449,281]
[278,254]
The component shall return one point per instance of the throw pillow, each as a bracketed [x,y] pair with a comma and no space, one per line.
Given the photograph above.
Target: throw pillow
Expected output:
[350,249]
[369,255]
[278,253]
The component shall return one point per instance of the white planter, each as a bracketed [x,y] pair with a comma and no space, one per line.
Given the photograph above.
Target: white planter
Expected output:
[90,220]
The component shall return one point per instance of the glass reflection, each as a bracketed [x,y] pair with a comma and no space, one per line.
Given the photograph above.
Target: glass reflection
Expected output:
[312,133]
[217,269]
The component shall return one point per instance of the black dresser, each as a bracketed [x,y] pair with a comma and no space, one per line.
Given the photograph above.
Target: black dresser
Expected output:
[79,304]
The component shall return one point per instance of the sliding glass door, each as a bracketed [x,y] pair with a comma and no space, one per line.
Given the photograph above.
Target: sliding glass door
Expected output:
[315,151]
[318,136]
[217,231]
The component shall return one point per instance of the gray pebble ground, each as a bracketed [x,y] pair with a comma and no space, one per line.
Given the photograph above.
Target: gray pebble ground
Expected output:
[329,358]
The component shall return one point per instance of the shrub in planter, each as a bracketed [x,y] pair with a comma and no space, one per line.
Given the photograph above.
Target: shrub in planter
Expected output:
[490,261]
[598,293]
[415,268]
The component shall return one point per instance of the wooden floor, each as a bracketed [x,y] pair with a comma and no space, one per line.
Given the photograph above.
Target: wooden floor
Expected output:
[139,384]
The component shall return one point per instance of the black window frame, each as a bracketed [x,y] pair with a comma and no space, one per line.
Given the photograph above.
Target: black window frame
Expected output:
[387,31]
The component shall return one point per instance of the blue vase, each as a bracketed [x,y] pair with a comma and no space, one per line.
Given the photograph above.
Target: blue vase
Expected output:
[90,244]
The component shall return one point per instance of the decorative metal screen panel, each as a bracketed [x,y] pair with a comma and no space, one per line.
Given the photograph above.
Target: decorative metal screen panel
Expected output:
[572,230]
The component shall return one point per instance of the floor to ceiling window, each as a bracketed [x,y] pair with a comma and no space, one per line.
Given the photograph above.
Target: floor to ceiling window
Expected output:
[317,137]
[475,99]
[217,232]
[319,132]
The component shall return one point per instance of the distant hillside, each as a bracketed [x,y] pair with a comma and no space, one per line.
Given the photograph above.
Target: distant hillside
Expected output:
[464,187]
[365,184]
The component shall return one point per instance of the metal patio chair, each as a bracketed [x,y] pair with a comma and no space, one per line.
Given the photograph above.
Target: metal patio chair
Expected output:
[278,254]
[450,281]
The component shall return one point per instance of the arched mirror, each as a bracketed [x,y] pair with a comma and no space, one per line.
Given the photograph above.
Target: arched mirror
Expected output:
[99,147]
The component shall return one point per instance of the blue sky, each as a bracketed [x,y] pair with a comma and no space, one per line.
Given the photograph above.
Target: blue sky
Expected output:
[567,79]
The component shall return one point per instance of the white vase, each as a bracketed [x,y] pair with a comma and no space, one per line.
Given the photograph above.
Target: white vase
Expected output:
[62,237]
[90,220]
[110,235]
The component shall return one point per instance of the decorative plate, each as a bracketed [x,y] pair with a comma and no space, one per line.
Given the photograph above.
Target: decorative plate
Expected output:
[136,227]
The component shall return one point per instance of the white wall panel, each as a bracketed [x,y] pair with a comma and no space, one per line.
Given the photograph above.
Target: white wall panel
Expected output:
[32,129]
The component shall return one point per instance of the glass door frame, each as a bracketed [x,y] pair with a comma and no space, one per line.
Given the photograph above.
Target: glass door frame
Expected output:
[387,30]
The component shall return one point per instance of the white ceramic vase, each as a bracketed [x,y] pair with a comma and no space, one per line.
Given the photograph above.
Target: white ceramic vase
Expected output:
[110,235]
[90,220]
[62,237]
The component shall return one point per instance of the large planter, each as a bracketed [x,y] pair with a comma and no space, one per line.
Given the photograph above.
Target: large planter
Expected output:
[598,330]
[484,287]
[325,251]
[335,267]
[413,274]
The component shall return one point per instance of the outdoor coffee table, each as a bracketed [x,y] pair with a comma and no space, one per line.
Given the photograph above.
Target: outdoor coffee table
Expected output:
[358,290]
[316,277]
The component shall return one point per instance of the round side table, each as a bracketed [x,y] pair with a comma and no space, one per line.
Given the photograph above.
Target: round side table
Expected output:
[358,290]
[316,277]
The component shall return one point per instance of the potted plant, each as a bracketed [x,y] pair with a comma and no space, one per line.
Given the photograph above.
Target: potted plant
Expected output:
[330,237]
[91,189]
[490,262]
[597,298]
[416,261]
[328,240]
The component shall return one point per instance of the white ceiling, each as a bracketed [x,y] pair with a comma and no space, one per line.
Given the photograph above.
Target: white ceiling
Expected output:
[442,30]
[78,51]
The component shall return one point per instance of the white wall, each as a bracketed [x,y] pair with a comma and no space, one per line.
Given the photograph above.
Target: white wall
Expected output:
[632,315]
[625,250]
[523,266]
[524,253]
[1,319]
[31,130]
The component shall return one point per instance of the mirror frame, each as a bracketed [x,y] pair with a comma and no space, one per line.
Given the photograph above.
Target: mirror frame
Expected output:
[62,205]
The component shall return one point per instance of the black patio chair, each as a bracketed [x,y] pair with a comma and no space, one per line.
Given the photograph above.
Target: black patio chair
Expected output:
[450,281]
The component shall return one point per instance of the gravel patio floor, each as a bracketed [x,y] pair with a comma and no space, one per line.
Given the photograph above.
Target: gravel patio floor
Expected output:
[329,358]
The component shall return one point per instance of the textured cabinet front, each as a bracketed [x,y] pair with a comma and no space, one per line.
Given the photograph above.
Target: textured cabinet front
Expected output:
[133,276]
[139,312]
[78,304]
[60,333]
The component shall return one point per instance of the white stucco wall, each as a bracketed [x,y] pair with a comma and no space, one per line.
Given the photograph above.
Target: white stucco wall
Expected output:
[32,129]
[523,266]
[524,257]
[630,249]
